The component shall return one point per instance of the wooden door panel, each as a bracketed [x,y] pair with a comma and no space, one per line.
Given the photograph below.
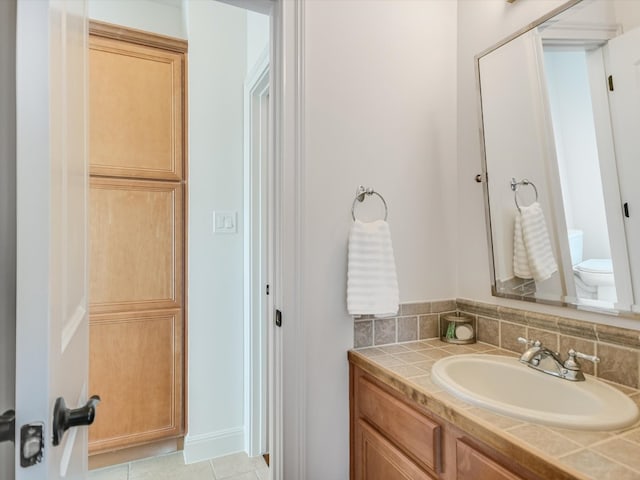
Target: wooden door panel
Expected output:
[471,465]
[379,459]
[417,435]
[136,110]
[136,245]
[136,366]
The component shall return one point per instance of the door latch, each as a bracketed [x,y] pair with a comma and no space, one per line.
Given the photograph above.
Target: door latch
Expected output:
[278,318]
[31,444]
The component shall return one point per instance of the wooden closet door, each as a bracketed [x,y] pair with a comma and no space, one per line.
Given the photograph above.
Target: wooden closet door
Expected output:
[136,365]
[136,110]
[136,325]
[136,234]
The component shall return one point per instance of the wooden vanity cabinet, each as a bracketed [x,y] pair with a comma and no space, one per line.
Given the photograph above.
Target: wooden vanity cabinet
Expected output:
[137,164]
[393,437]
[472,464]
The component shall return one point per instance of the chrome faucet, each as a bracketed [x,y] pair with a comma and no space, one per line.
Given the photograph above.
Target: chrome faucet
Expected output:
[541,358]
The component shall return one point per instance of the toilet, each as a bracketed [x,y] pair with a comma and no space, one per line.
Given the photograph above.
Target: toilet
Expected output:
[593,277]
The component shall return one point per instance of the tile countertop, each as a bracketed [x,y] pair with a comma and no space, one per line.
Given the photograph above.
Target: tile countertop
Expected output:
[551,452]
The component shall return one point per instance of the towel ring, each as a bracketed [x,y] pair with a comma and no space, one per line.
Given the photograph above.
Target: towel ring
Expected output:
[515,185]
[360,193]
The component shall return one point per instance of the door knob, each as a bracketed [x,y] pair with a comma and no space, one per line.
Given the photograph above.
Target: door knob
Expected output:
[65,418]
[8,426]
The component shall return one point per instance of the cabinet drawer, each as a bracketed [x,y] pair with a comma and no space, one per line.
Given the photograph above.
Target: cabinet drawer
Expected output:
[410,430]
[380,460]
[472,465]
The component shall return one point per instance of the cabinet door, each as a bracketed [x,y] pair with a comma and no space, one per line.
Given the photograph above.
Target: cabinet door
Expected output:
[135,110]
[473,465]
[408,429]
[136,245]
[378,459]
[136,365]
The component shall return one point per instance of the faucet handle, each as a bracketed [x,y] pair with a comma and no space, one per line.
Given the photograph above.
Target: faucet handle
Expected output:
[584,356]
[571,362]
[528,343]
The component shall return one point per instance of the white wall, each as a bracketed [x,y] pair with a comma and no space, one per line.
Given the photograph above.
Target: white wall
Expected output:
[257,37]
[160,16]
[217,67]
[627,14]
[379,111]
[7,222]
[481,24]
[572,112]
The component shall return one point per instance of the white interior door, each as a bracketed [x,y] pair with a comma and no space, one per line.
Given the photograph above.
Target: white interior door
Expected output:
[624,67]
[51,299]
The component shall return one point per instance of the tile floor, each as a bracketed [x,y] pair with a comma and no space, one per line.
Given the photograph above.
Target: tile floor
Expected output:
[171,467]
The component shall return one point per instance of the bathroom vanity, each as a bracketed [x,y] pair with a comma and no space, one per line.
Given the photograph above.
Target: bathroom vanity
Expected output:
[404,426]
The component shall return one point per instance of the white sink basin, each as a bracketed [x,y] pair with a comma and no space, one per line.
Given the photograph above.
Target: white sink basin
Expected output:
[506,386]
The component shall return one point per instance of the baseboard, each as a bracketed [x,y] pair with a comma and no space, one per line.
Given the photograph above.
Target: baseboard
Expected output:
[130,454]
[211,445]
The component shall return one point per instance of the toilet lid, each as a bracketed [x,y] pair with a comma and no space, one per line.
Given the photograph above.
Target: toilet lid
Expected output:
[595,265]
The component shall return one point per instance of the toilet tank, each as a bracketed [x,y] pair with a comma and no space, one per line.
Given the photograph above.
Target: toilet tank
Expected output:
[576,238]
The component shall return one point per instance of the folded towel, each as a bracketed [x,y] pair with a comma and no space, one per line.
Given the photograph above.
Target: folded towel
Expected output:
[372,284]
[532,254]
[520,259]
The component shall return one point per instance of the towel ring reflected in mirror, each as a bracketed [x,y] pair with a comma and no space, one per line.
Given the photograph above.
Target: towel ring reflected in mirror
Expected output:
[515,185]
[360,194]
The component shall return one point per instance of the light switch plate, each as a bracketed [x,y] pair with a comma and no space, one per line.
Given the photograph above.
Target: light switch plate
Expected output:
[225,221]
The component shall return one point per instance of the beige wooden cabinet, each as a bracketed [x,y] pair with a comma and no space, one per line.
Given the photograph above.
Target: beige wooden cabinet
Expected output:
[136,110]
[394,438]
[137,237]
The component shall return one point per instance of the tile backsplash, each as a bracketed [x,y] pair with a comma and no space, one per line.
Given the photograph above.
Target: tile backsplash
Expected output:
[415,321]
[618,348]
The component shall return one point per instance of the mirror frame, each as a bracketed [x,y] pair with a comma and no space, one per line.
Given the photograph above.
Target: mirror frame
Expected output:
[484,179]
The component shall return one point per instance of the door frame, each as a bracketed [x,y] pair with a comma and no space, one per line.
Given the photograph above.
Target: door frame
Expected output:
[8,222]
[258,254]
[285,344]
[287,378]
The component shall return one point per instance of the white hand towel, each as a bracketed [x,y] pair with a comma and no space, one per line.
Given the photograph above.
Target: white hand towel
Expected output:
[532,254]
[520,259]
[372,284]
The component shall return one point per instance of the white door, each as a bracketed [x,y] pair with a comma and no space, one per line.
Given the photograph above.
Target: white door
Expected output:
[624,67]
[51,299]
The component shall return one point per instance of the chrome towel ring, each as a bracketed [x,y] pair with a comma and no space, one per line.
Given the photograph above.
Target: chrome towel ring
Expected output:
[515,185]
[360,194]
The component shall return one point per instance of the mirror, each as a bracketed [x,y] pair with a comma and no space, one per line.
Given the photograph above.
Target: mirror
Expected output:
[560,109]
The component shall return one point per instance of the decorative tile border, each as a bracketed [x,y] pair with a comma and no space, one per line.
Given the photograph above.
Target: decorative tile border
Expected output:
[415,321]
[618,348]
